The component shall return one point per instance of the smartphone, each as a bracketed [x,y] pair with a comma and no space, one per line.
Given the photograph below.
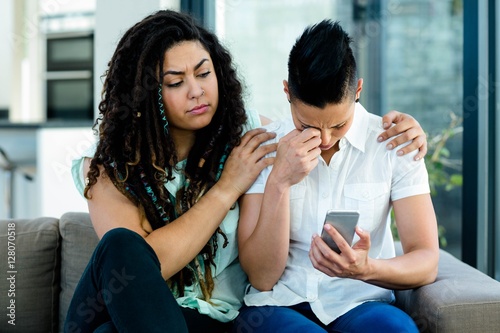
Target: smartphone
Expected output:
[344,221]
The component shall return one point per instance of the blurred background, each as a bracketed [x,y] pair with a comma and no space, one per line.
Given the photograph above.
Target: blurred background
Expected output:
[437,60]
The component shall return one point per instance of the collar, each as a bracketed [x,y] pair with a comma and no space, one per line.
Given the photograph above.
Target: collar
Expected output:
[356,135]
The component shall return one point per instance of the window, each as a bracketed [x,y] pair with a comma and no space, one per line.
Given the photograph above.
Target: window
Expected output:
[70,98]
[70,52]
[69,85]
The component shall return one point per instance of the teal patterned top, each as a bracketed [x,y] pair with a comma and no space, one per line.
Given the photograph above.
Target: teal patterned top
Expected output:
[229,278]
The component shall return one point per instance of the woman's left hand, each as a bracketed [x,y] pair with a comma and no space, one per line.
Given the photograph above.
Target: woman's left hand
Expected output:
[247,160]
[410,130]
[350,263]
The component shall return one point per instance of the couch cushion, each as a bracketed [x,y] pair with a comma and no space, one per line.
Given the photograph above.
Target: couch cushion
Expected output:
[78,242]
[34,281]
[462,299]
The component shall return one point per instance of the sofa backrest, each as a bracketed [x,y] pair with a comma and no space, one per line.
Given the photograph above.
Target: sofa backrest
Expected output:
[42,261]
[29,275]
[78,241]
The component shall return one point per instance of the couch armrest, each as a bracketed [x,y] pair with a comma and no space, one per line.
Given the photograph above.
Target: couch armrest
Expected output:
[462,299]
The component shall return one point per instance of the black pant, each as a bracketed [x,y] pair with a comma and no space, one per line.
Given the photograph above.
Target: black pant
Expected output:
[122,290]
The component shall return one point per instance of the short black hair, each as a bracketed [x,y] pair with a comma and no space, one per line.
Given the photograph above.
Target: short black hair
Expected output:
[321,65]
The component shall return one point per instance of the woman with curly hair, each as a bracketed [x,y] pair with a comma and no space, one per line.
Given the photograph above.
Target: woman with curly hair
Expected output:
[176,150]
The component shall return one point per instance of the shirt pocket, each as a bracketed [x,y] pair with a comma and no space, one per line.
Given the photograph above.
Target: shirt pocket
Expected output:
[297,195]
[365,198]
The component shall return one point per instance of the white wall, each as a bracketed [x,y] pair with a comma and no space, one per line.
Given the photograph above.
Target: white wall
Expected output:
[26,67]
[52,7]
[56,148]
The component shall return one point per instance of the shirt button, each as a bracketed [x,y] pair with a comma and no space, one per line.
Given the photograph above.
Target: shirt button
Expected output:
[366,194]
[325,195]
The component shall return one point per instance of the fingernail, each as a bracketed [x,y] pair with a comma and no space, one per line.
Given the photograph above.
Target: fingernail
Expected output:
[327,226]
[380,139]
[389,146]
[417,158]
[400,153]
[385,125]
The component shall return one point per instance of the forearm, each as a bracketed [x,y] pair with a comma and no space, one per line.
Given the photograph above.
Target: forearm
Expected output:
[177,243]
[264,239]
[411,270]
[417,228]
[265,252]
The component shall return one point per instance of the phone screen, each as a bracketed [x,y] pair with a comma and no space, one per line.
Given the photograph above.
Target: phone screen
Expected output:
[344,222]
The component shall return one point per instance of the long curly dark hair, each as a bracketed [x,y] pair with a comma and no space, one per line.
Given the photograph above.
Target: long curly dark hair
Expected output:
[138,154]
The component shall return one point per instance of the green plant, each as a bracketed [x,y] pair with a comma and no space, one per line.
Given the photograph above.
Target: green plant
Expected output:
[444,172]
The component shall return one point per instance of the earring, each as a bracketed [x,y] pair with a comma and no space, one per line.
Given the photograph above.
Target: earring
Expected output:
[162,110]
[357,100]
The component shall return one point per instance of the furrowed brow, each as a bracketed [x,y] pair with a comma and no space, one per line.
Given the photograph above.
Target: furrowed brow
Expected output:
[198,65]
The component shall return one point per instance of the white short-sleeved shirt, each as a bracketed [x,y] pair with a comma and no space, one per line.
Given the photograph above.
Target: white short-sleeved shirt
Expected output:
[363,175]
[229,278]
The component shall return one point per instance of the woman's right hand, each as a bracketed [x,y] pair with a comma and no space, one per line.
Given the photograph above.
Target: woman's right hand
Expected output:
[247,160]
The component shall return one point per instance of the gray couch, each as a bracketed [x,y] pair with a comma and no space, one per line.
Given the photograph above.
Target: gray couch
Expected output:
[51,254]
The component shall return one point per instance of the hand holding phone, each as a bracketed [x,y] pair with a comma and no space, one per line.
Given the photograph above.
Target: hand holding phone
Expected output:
[345,222]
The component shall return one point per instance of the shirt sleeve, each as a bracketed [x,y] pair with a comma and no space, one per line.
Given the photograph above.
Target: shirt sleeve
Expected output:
[281,128]
[253,120]
[410,177]
[77,169]
[260,183]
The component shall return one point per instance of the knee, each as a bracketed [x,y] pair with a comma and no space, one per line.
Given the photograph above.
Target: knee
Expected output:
[383,317]
[120,237]
[123,243]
